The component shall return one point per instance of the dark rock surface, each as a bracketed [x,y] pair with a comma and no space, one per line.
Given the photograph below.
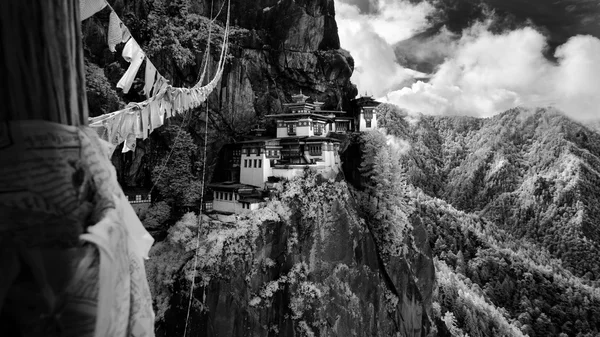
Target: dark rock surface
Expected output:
[330,279]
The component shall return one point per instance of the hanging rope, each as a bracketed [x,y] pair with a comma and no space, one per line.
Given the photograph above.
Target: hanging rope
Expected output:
[200,80]
[199,221]
[186,98]
[220,68]
[164,166]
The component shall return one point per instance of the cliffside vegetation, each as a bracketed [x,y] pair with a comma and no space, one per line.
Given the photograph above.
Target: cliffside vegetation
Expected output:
[306,265]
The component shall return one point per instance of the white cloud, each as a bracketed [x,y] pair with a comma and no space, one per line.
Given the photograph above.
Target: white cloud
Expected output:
[481,73]
[369,38]
[488,74]
[399,20]
[578,77]
[398,145]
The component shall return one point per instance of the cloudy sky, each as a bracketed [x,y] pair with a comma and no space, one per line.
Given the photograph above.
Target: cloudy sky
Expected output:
[405,54]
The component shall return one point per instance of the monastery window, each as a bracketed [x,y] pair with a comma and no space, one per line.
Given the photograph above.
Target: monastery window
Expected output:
[247,151]
[259,163]
[368,123]
[258,151]
[314,150]
[291,129]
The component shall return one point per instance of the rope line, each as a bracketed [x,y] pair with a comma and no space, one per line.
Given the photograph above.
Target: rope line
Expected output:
[221,66]
[164,166]
[199,219]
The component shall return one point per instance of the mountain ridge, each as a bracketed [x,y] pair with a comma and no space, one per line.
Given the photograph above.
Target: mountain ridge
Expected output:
[538,158]
[510,207]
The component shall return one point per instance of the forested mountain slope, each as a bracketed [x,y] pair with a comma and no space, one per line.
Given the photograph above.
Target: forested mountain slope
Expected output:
[532,172]
[511,207]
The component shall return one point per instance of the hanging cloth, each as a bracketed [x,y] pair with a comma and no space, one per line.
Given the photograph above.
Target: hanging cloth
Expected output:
[115,31]
[88,8]
[149,77]
[115,128]
[160,84]
[129,144]
[145,118]
[138,126]
[100,287]
[156,120]
[166,108]
[131,53]
[127,128]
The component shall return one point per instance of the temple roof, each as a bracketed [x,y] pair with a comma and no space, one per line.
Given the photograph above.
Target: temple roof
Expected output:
[307,138]
[298,98]
[251,200]
[299,115]
[230,186]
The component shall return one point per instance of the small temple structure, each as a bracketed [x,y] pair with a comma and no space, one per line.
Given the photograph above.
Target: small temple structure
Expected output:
[363,108]
[302,141]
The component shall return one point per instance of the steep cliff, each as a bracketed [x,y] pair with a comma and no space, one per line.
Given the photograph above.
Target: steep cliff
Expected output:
[277,49]
[311,263]
[306,265]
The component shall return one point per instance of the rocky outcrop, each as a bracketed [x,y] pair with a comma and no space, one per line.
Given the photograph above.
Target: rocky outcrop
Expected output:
[287,270]
[277,49]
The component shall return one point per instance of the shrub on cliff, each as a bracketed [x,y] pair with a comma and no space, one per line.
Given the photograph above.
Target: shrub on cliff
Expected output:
[156,215]
[101,95]
[176,176]
[305,196]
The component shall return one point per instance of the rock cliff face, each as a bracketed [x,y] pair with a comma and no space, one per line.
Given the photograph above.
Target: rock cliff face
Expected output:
[277,49]
[306,265]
